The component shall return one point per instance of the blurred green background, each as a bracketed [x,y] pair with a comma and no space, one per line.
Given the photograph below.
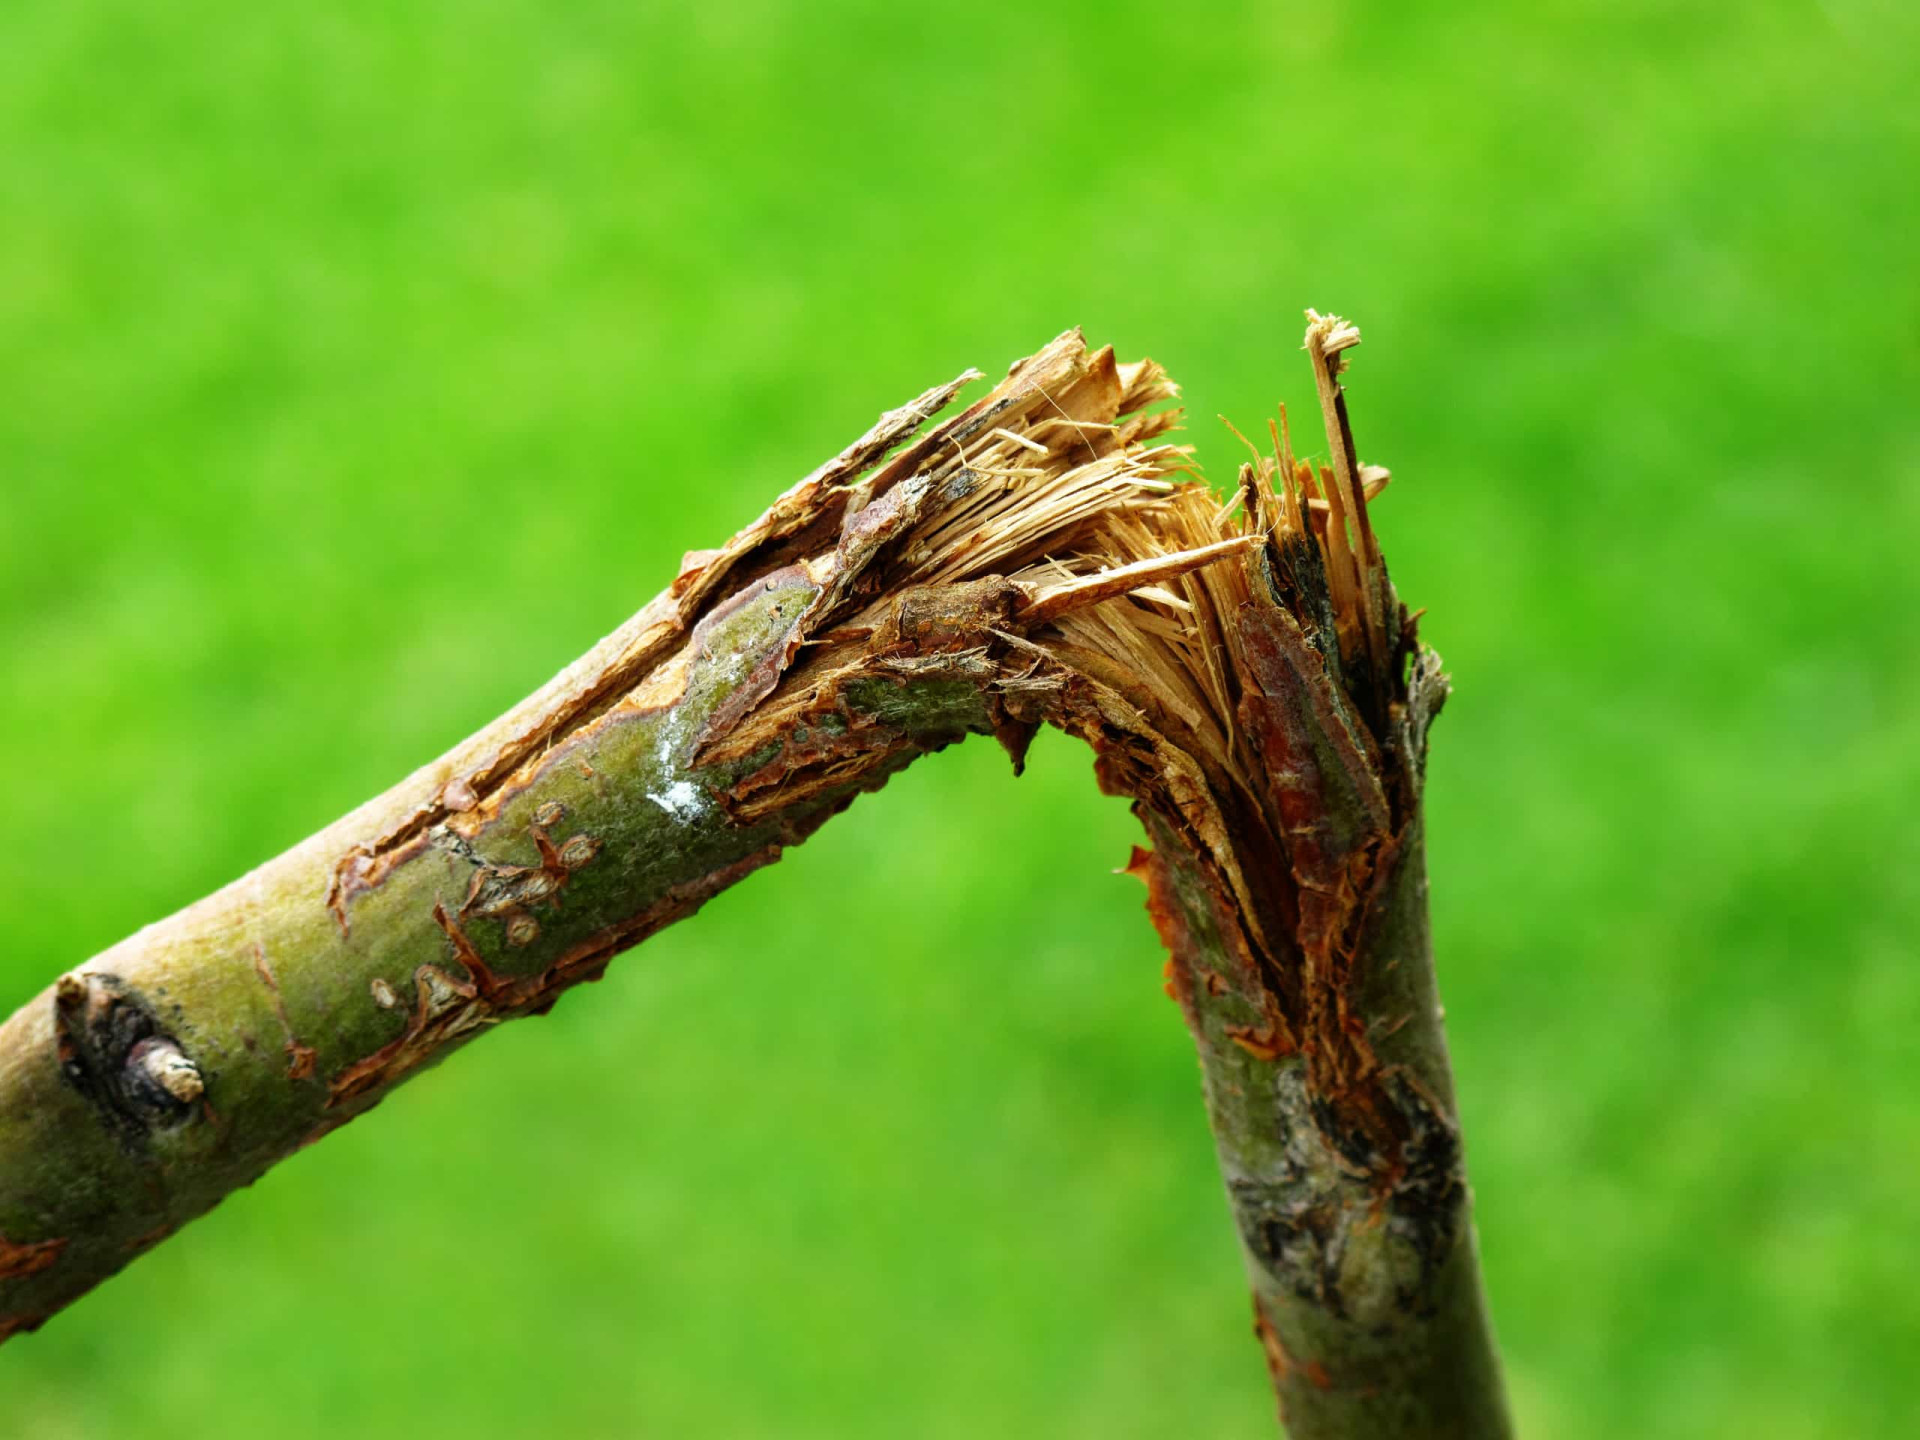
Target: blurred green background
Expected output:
[363,363]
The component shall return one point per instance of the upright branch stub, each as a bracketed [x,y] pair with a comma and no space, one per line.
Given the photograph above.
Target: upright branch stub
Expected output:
[1288,882]
[1244,674]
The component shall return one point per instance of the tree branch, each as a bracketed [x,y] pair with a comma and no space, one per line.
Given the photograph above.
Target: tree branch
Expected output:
[1250,681]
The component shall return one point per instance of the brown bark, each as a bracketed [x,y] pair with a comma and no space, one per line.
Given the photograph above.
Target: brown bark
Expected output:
[1250,681]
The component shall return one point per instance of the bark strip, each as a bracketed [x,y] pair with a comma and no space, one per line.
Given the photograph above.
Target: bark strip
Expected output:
[1250,681]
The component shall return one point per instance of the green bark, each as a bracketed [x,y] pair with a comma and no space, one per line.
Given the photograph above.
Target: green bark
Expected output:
[296,1017]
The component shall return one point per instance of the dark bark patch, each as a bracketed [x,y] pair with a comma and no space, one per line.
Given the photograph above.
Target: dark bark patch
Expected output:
[1426,1193]
[113,1051]
[1333,1184]
[1295,1232]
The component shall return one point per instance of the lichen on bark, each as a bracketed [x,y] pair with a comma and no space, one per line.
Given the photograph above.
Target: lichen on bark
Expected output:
[1245,675]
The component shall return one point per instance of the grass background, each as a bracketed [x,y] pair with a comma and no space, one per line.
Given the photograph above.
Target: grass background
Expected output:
[362,363]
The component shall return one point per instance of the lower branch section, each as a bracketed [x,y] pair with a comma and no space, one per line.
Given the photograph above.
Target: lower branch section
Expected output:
[1366,1285]
[1249,680]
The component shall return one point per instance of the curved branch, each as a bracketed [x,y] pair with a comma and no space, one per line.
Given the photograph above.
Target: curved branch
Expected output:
[1250,681]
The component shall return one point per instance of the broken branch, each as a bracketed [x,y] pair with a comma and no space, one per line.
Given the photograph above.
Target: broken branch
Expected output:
[1249,681]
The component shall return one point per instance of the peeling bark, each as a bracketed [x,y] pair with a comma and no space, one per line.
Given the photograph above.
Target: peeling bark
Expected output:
[1250,681]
